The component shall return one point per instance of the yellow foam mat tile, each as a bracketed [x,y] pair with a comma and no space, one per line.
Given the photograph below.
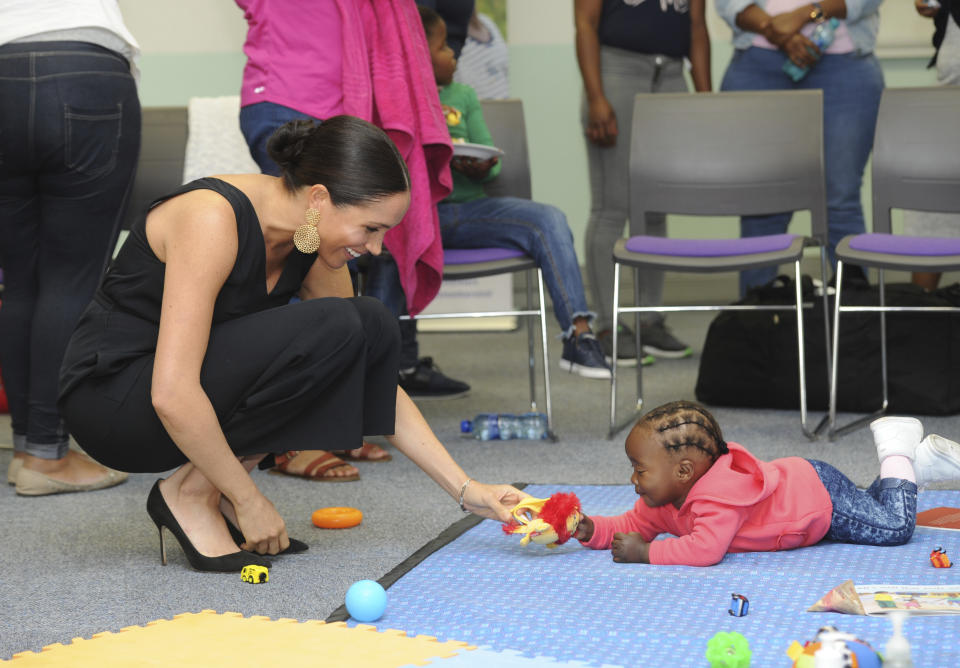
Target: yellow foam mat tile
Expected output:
[207,639]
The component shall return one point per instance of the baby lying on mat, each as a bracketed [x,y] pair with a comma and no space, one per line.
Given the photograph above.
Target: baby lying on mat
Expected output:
[715,497]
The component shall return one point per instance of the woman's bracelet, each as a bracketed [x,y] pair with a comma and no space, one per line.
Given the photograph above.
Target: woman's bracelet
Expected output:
[463,488]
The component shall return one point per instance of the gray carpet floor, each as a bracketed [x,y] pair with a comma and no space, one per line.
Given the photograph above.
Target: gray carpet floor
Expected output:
[77,564]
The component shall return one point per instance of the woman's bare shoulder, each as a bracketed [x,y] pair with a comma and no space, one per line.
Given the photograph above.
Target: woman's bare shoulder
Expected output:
[198,217]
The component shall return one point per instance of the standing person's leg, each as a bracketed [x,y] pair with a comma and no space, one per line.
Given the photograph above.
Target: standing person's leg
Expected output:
[20,219]
[884,514]
[851,87]
[655,337]
[624,75]
[420,377]
[541,231]
[758,69]
[383,283]
[81,151]
[258,122]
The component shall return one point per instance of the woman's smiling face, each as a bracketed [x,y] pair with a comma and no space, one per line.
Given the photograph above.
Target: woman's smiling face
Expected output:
[347,232]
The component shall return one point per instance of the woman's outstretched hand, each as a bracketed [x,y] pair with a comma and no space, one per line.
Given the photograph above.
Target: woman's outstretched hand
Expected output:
[262,526]
[492,501]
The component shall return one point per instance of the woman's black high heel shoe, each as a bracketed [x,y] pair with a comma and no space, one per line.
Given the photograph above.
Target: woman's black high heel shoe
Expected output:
[160,514]
[237,535]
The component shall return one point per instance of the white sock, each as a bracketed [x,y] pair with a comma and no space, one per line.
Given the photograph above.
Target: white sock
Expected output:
[898,466]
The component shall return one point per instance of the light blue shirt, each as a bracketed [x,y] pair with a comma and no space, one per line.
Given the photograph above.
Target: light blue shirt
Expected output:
[863,22]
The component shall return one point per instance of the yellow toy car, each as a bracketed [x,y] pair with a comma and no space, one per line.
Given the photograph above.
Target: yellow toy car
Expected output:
[255,574]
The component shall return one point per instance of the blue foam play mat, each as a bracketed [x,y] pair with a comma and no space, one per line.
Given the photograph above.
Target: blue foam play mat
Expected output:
[571,604]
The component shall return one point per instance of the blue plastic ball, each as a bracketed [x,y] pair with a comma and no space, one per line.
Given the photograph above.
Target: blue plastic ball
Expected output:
[366,601]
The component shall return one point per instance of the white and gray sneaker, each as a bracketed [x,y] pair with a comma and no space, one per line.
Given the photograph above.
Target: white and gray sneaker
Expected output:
[894,435]
[937,460]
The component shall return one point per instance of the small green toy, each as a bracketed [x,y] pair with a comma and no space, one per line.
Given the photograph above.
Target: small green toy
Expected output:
[728,650]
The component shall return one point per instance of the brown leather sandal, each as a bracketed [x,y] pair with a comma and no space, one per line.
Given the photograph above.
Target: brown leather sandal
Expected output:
[368,452]
[321,463]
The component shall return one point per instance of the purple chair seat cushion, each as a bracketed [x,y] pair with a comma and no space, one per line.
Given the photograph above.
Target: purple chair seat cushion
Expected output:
[896,244]
[453,256]
[709,247]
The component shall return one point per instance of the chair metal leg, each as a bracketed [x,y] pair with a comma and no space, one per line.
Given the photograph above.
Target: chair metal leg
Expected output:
[638,344]
[835,431]
[546,366]
[801,354]
[614,427]
[531,354]
[883,340]
[825,422]
[613,369]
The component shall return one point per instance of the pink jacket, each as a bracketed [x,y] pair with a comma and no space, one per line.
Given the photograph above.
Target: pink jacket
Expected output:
[741,504]
[388,80]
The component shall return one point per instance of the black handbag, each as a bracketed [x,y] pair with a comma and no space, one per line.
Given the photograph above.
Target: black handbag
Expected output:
[749,358]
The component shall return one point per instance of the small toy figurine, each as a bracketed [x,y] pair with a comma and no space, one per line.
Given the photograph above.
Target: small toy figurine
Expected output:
[833,649]
[254,574]
[939,558]
[548,522]
[739,605]
[728,650]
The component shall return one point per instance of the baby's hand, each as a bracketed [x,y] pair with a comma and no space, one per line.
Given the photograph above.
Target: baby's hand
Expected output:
[584,529]
[630,548]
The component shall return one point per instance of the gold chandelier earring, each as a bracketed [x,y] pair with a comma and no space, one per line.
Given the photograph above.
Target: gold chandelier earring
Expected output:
[307,237]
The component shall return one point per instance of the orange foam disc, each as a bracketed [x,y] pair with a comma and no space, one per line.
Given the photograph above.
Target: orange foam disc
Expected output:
[336,517]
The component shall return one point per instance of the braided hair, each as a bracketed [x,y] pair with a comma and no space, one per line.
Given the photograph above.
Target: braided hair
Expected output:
[686,424]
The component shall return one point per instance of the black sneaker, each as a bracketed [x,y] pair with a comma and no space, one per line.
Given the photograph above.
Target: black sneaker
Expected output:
[425,381]
[658,341]
[627,353]
[583,356]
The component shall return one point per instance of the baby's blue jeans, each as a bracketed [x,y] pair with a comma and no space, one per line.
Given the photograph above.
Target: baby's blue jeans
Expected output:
[883,514]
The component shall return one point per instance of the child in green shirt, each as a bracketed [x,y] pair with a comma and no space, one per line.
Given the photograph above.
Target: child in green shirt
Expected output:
[470,219]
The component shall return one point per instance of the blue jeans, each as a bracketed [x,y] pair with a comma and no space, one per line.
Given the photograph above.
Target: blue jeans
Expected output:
[69,142]
[539,230]
[884,514]
[851,97]
[258,122]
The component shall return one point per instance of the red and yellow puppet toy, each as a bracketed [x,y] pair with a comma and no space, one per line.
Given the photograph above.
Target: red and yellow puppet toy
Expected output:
[549,522]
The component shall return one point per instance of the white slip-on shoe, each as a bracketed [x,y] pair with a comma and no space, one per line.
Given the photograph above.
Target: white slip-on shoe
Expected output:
[15,465]
[894,435]
[937,460]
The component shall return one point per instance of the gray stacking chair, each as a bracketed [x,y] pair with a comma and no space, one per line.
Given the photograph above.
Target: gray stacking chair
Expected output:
[724,154]
[505,120]
[916,165]
[162,152]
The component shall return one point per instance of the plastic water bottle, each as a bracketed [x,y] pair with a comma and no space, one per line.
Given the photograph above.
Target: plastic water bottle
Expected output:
[823,37]
[534,426]
[505,426]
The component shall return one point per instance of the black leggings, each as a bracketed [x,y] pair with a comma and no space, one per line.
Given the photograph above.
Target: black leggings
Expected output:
[315,374]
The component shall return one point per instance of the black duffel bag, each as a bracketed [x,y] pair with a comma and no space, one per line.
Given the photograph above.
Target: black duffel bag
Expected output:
[749,358]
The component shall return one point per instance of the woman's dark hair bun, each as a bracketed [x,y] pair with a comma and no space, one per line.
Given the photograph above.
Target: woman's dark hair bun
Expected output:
[287,144]
[356,161]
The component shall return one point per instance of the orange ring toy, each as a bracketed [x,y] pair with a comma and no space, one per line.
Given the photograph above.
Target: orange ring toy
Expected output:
[336,517]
